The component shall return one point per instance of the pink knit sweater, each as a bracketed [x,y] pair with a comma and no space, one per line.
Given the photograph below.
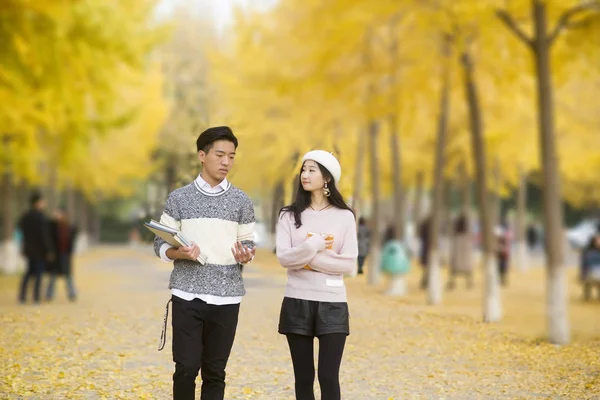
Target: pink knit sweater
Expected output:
[325,282]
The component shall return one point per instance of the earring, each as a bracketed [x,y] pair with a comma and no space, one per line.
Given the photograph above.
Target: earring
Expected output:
[326,190]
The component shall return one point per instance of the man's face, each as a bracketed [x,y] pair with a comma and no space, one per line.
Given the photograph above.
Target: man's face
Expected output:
[219,160]
[41,204]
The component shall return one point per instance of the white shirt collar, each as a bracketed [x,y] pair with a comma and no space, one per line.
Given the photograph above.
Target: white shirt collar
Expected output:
[202,184]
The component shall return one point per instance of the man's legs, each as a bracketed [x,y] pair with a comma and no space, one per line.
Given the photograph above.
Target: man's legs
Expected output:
[39,267]
[65,260]
[51,283]
[217,339]
[187,322]
[71,287]
[25,280]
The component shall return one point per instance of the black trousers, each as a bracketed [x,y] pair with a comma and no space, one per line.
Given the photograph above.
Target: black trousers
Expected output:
[361,262]
[331,349]
[203,335]
[35,270]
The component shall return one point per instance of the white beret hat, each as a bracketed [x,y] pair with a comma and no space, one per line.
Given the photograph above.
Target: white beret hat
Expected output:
[327,160]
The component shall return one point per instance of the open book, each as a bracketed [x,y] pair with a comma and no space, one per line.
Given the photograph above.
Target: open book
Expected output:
[172,236]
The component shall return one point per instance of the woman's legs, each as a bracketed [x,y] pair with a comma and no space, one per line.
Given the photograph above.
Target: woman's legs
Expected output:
[302,349]
[331,349]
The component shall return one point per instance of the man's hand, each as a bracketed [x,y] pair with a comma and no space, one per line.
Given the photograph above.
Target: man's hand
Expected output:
[242,254]
[184,252]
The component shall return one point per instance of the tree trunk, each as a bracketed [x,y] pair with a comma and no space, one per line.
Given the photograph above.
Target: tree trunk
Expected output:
[359,174]
[8,247]
[434,279]
[492,310]
[8,205]
[373,270]
[558,321]
[71,204]
[418,201]
[53,196]
[395,147]
[277,204]
[446,222]
[94,222]
[497,217]
[521,223]
[83,238]
[294,188]
[399,209]
[171,173]
[465,206]
[22,198]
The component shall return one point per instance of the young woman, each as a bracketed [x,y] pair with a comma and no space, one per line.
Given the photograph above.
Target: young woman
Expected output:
[317,244]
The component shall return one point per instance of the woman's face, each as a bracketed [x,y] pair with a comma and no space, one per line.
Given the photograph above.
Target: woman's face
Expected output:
[311,176]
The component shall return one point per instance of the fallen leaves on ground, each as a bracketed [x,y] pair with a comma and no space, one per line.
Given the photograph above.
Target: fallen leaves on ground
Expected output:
[105,345]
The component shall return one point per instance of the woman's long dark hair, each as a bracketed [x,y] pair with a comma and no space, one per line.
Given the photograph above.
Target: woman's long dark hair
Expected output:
[302,201]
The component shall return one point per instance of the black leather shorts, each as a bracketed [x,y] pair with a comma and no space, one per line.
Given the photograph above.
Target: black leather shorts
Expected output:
[313,318]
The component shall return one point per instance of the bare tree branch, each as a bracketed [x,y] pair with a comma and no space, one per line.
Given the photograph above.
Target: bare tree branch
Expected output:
[512,25]
[564,21]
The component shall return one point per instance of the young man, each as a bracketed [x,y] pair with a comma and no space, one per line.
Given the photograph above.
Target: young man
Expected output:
[206,294]
[37,246]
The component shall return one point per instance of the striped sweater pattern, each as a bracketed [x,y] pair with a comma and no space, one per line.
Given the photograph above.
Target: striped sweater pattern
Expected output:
[214,222]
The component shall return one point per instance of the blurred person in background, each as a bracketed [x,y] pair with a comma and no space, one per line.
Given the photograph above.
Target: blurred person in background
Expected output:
[424,249]
[63,236]
[364,235]
[532,237]
[589,273]
[461,260]
[394,262]
[503,251]
[36,246]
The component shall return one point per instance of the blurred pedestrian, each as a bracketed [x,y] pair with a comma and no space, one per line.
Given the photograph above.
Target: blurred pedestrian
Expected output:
[364,236]
[424,238]
[503,252]
[63,236]
[394,262]
[589,273]
[461,260]
[36,246]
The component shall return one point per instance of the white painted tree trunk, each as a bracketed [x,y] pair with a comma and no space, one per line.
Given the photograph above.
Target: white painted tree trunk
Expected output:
[9,254]
[434,277]
[558,318]
[492,305]
[373,272]
[397,286]
[522,256]
[82,243]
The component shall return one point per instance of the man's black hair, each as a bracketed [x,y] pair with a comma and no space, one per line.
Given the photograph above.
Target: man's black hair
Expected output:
[209,136]
[35,197]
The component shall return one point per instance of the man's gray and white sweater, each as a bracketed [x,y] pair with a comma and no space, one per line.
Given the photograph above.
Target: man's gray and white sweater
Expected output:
[214,221]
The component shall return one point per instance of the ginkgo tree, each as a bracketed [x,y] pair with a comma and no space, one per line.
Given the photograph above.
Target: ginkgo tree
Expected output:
[74,71]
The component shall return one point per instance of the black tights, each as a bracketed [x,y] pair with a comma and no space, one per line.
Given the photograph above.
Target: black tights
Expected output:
[331,348]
